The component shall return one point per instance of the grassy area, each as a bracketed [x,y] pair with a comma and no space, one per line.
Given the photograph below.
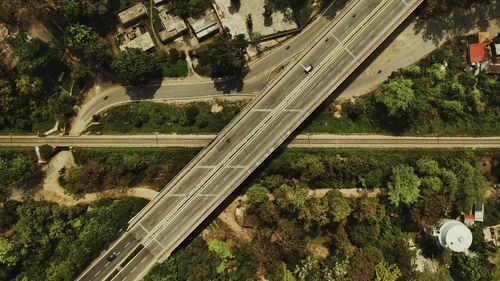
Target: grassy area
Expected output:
[175,68]
[203,69]
[434,97]
[192,118]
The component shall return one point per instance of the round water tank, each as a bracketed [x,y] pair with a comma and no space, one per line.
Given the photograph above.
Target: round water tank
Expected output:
[455,235]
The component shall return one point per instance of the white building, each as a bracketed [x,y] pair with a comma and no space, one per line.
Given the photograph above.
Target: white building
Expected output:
[453,235]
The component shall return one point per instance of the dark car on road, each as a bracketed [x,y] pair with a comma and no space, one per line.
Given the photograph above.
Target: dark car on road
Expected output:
[112,256]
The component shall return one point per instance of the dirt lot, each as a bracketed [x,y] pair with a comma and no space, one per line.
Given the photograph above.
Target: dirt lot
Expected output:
[234,17]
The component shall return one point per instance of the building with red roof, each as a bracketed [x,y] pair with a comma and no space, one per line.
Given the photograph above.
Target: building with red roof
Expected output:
[478,52]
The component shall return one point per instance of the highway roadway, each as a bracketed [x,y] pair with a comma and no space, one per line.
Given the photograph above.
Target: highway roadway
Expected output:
[249,139]
[300,141]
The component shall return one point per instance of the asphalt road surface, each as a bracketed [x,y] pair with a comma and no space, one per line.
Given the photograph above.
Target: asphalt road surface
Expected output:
[249,139]
[300,141]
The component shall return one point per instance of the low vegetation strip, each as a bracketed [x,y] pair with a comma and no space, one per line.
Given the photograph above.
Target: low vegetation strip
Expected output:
[100,169]
[191,118]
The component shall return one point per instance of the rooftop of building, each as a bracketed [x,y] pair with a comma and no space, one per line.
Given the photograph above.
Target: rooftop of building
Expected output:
[135,37]
[174,25]
[132,13]
[204,21]
[478,52]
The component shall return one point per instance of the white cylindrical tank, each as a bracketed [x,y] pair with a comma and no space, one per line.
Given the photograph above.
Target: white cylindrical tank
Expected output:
[454,235]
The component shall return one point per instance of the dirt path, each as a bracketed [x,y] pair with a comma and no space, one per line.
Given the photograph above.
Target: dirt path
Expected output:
[52,191]
[228,216]
[349,192]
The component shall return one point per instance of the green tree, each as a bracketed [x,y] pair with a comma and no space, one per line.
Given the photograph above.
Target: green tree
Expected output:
[268,214]
[365,209]
[308,269]
[473,185]
[473,268]
[433,183]
[437,72]
[79,35]
[8,253]
[249,23]
[10,11]
[431,207]
[314,214]
[225,56]
[268,10]
[362,265]
[428,167]
[403,185]
[206,262]
[257,194]
[339,207]
[290,199]
[190,114]
[134,66]
[76,9]
[412,71]
[224,252]
[28,85]
[475,99]
[18,171]
[186,8]
[365,233]
[387,272]
[452,110]
[396,95]
[310,167]
[6,94]
[341,242]
[8,215]
[166,271]
[34,55]
[450,182]
[52,243]
[97,54]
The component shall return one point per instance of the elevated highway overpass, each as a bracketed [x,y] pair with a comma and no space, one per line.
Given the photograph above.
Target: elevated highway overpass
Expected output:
[248,140]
